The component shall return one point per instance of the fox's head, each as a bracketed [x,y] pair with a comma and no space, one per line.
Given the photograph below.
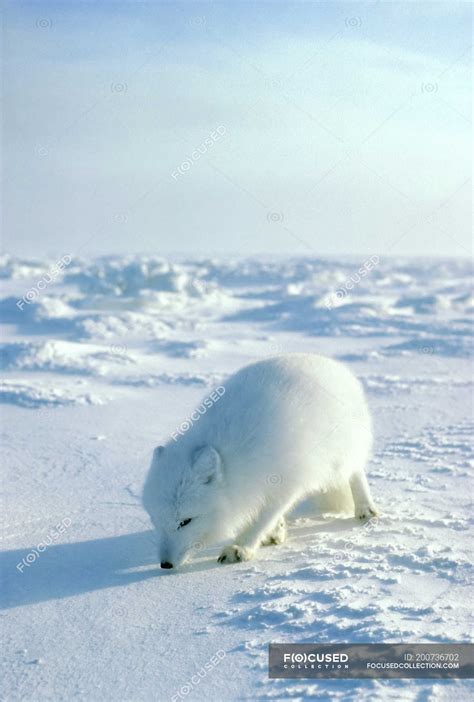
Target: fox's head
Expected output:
[182,495]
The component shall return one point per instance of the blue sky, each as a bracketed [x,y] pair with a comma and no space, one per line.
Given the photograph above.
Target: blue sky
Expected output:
[345,128]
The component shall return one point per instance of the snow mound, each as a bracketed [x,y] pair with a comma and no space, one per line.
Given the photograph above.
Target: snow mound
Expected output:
[24,394]
[47,311]
[186,379]
[128,277]
[63,357]
[126,325]
[182,349]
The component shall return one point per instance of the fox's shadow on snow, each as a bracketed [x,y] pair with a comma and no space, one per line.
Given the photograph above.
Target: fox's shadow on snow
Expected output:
[65,570]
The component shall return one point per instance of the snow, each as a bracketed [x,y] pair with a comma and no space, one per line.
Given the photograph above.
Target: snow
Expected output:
[107,362]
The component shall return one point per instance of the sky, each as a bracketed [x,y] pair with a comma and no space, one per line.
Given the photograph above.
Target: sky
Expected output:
[287,128]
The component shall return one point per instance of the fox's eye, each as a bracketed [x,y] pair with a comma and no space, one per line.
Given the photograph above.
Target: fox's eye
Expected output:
[183,523]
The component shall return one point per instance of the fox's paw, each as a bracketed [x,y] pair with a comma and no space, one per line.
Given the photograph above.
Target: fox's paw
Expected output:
[277,535]
[368,511]
[235,554]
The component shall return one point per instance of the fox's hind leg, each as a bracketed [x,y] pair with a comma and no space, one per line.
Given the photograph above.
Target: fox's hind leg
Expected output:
[277,535]
[364,505]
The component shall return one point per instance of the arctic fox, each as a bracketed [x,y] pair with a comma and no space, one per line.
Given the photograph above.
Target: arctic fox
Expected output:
[285,427]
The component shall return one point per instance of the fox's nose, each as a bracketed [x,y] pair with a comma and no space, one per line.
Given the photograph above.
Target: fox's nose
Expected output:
[165,564]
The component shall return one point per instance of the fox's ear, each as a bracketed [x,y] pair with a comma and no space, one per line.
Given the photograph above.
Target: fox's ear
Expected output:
[207,464]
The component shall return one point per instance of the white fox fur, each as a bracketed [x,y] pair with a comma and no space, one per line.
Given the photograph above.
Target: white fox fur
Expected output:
[285,428]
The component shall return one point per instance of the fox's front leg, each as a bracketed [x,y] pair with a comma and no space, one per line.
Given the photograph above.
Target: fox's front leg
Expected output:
[257,533]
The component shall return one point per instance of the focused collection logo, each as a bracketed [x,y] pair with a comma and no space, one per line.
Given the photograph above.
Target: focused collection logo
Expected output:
[315,660]
[352,661]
